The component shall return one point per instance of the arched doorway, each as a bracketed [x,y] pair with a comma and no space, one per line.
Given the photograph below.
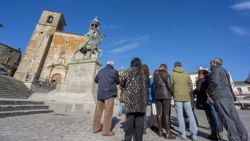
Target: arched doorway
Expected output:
[56,78]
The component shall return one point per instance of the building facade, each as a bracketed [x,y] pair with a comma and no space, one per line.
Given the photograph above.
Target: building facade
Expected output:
[241,88]
[49,51]
[9,58]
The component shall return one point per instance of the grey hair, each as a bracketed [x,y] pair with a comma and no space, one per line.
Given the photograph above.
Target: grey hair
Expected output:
[110,62]
[218,60]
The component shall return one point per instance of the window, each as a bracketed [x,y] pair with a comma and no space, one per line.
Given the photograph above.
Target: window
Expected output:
[50,19]
[248,89]
[61,61]
[7,60]
[239,90]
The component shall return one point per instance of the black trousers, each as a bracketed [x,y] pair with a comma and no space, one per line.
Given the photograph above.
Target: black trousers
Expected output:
[231,120]
[163,114]
[134,126]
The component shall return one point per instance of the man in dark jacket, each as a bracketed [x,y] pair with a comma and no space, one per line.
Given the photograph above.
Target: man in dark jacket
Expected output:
[107,79]
[221,92]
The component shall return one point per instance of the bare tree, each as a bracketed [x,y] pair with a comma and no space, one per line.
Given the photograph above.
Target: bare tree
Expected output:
[248,78]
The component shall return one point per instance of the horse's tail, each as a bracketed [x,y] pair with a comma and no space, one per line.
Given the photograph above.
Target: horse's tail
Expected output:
[100,52]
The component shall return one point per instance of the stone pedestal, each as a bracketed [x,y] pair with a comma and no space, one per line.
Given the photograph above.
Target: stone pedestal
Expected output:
[78,92]
[80,78]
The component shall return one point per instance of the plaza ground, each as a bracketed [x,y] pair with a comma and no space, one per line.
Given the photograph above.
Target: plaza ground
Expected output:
[78,127]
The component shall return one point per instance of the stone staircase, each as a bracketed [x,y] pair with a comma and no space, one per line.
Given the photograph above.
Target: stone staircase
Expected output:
[12,88]
[14,99]
[17,107]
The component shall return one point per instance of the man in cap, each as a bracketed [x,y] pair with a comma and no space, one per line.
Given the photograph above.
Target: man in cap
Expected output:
[107,79]
[182,87]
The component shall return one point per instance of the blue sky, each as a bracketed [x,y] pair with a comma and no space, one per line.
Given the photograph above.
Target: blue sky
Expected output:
[157,31]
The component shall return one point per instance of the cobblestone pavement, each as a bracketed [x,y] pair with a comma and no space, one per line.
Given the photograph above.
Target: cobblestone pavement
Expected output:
[78,127]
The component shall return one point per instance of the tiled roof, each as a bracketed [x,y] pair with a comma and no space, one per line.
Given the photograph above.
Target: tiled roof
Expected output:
[4,45]
[241,83]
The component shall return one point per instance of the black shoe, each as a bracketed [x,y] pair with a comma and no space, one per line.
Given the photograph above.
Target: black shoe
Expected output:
[213,137]
[170,136]
[160,133]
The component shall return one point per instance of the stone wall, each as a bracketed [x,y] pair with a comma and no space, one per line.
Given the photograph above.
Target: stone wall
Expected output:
[60,54]
[10,57]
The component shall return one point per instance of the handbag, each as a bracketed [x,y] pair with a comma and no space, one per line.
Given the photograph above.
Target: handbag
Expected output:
[154,112]
[123,95]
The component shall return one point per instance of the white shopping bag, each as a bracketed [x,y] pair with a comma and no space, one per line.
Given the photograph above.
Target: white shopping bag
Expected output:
[154,109]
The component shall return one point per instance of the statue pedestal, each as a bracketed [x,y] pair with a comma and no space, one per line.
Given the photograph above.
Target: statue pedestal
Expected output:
[80,78]
[78,92]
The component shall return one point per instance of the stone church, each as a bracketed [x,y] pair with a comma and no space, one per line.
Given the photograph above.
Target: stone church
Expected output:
[71,61]
[49,51]
[9,58]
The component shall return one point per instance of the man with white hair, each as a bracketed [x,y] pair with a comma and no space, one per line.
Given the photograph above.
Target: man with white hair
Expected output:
[107,79]
[221,92]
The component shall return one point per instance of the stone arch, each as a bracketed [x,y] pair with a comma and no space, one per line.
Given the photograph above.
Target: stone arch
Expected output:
[56,78]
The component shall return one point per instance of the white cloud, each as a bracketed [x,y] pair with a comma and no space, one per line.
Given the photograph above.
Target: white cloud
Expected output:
[128,44]
[122,41]
[238,30]
[242,6]
[113,26]
[125,48]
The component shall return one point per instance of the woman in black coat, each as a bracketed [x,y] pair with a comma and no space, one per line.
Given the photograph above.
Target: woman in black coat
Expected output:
[163,91]
[201,103]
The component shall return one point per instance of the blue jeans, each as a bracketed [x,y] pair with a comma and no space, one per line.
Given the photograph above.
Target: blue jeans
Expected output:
[192,124]
[121,108]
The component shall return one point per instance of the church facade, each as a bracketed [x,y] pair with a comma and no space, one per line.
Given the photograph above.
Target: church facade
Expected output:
[49,51]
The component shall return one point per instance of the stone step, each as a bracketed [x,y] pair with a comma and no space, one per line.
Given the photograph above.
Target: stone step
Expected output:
[14,95]
[22,107]
[22,112]
[12,88]
[20,102]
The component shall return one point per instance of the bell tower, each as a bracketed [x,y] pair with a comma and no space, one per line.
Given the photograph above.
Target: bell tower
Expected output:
[36,51]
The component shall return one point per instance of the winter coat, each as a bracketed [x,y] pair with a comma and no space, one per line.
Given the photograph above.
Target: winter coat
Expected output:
[163,88]
[107,79]
[136,90]
[219,85]
[200,92]
[182,84]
